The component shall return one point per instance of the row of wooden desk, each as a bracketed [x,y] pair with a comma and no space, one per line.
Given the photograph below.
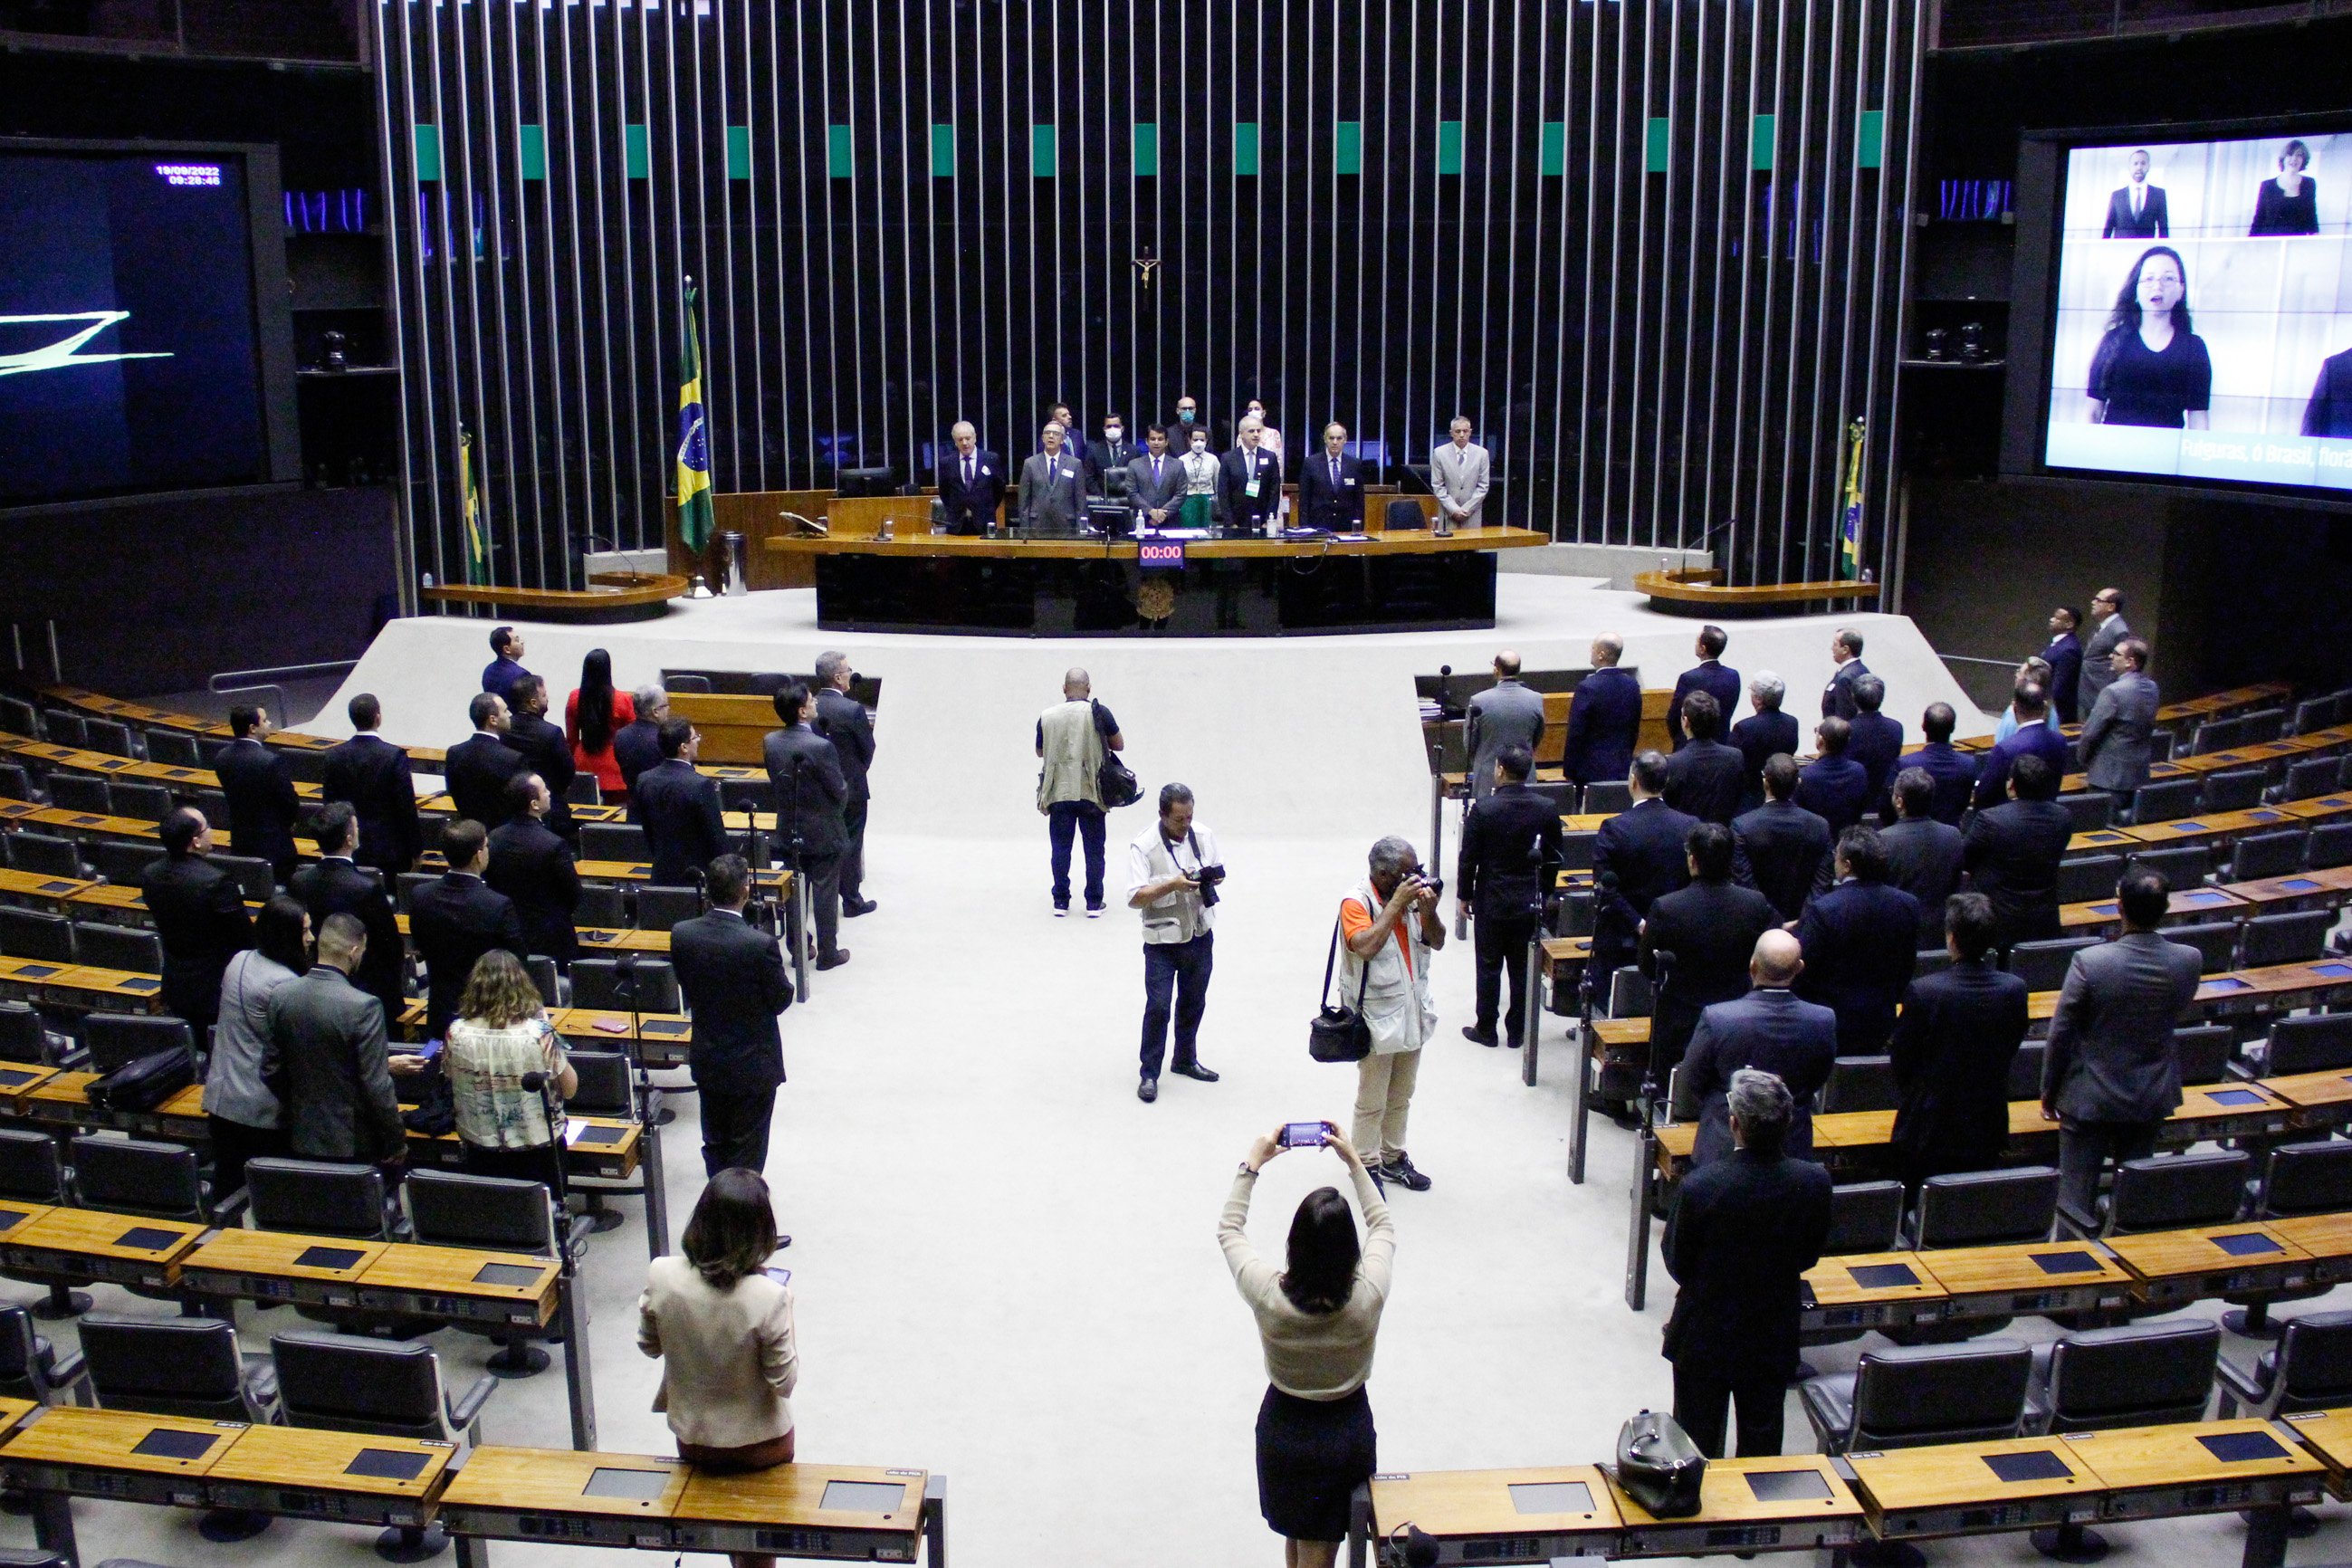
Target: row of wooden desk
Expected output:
[1822,1503]
[548,1496]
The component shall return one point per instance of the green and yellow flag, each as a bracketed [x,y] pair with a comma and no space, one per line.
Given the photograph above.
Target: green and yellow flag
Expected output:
[478,537]
[1850,532]
[693,438]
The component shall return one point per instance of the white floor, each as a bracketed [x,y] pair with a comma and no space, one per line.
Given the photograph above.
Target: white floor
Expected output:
[1006,1266]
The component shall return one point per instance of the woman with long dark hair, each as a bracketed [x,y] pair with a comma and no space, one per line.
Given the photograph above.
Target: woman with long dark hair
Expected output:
[1317,1319]
[2151,368]
[591,715]
[240,1084]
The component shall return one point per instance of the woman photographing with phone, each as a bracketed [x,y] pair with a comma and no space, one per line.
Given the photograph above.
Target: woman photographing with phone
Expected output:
[1317,1319]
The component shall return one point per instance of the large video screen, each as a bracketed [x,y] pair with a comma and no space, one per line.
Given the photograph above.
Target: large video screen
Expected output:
[129,351]
[2203,328]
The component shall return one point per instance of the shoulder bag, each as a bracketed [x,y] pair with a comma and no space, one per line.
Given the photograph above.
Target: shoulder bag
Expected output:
[1114,779]
[1659,1467]
[1340,1033]
[145,1083]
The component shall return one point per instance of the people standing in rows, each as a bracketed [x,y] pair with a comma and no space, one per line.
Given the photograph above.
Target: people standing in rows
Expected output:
[2108,627]
[1506,714]
[374,775]
[1510,858]
[241,1104]
[1072,737]
[1331,486]
[1389,932]
[1833,787]
[1781,850]
[849,725]
[2035,737]
[1110,454]
[1771,1028]
[594,717]
[1876,743]
[677,807]
[549,754]
[1156,482]
[971,482]
[1053,484]
[1953,771]
[1710,675]
[1767,733]
[2011,850]
[1202,471]
[536,868]
[1705,778]
[1643,848]
[478,767]
[451,923]
[199,913]
[1952,1046]
[2063,654]
[1710,928]
[1845,657]
[500,1036]
[732,974]
[1861,944]
[2117,738]
[1249,481]
[259,784]
[636,745]
[1175,876]
[330,1037]
[809,796]
[1923,855]
[2034,671]
[1604,716]
[335,885]
[506,662]
[1460,473]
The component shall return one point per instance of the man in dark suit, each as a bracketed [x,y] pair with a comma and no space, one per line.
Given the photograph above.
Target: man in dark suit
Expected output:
[336,885]
[1954,772]
[330,1036]
[199,912]
[1833,787]
[2011,852]
[1923,855]
[1764,734]
[259,784]
[2136,209]
[1705,777]
[374,775]
[1156,481]
[1952,1048]
[678,808]
[2034,736]
[1249,480]
[456,920]
[2065,655]
[1861,941]
[733,977]
[636,745]
[1711,929]
[1331,486]
[1510,853]
[1739,1237]
[531,865]
[1845,652]
[843,720]
[1876,743]
[807,790]
[971,483]
[1604,716]
[2329,412]
[2109,1077]
[1108,456]
[506,662]
[542,747]
[1638,854]
[478,767]
[1781,850]
[1711,676]
[1770,1028]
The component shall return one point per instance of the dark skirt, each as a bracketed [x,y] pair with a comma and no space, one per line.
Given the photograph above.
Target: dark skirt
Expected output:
[1312,1454]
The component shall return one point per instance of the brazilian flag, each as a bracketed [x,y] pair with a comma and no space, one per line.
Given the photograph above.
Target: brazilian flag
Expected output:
[477,537]
[1850,531]
[693,438]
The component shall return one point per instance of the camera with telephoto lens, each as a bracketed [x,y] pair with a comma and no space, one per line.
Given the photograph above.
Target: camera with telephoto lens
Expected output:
[1206,878]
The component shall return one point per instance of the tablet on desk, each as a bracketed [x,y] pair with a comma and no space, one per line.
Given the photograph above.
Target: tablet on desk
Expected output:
[613,1480]
[58,887]
[11,1077]
[139,983]
[2233,1096]
[1540,1496]
[2033,1465]
[33,971]
[2247,1244]
[146,1239]
[1788,1486]
[328,1257]
[2333,969]
[169,1443]
[1878,1276]
[672,1027]
[877,1497]
[2225,983]
[388,1464]
[2066,1262]
[512,1273]
[2239,1448]
[2297,885]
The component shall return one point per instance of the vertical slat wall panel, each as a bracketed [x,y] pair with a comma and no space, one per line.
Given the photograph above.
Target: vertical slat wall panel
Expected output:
[1661,316]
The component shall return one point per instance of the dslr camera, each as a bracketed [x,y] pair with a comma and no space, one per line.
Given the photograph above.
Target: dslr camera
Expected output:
[1208,877]
[1434,884]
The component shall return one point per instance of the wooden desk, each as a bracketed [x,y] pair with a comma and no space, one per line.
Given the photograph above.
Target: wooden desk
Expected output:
[352,1478]
[2176,1266]
[2328,1434]
[2187,904]
[2220,1110]
[1870,1290]
[2035,1279]
[277,1266]
[91,1243]
[117,1454]
[563,1496]
[664,1040]
[2314,887]
[1699,591]
[2199,1467]
[804,1511]
[16,1080]
[462,1285]
[1750,1505]
[1533,1515]
[606,940]
[2319,1098]
[609,596]
[2318,808]
[1956,1489]
[2327,1238]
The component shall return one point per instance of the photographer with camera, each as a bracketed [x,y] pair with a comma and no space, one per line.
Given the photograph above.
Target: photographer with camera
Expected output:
[1172,875]
[1385,959]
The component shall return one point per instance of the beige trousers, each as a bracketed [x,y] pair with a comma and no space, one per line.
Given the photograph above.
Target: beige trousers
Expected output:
[1384,1083]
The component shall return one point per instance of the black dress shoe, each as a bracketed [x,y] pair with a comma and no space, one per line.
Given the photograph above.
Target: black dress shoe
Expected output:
[782,1242]
[1473,1032]
[839,957]
[1148,1090]
[853,907]
[1195,1069]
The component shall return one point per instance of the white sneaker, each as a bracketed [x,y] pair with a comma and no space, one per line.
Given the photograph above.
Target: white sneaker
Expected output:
[1061,911]
[1094,911]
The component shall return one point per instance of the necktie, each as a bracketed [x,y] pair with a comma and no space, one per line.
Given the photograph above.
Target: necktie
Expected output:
[967,470]
[2136,190]
[1334,473]
[1155,473]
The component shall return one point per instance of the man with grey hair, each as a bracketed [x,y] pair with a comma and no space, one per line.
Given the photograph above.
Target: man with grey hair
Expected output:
[849,725]
[1173,874]
[1072,737]
[1739,1237]
[1604,716]
[1388,930]
[1053,484]
[636,745]
[971,482]
[1763,734]
[1506,714]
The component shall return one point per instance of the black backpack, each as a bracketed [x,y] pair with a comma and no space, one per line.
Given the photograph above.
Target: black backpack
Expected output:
[146,1083]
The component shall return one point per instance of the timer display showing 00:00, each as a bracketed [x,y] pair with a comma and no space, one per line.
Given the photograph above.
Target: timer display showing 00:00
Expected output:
[1160,555]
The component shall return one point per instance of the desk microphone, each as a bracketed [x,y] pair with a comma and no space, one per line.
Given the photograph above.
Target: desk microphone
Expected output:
[1409,1546]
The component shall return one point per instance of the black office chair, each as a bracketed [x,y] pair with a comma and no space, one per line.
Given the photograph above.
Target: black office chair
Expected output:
[2184,864]
[1632,993]
[2262,855]
[2163,802]
[1608,796]
[1561,795]
[605,1089]
[2309,1369]
[174,749]
[138,1176]
[2092,1380]
[2307,1042]
[2331,843]
[122,861]
[19,718]
[543,978]
[1402,516]
[117,1039]
[1572,916]
[182,1366]
[614,841]
[145,801]
[2237,789]
[2314,713]
[109,736]
[77,792]
[2043,965]
[2085,878]
[15,784]
[596,983]
[343,1382]
[30,1367]
[2167,1192]
[2311,777]
[2025,1070]
[36,934]
[1859,1083]
[658,909]
[603,905]
[321,1197]
[65,729]
[1931,961]
[2216,942]
[1575,850]
[2300,1178]
[253,878]
[2263,724]
[2089,810]
[1913,1395]
[2202,1051]
[450,1208]
[1985,1208]
[1865,1216]
[105,946]
[31,1172]
[677,683]
[584,789]
[406,885]
[744,794]
[2298,938]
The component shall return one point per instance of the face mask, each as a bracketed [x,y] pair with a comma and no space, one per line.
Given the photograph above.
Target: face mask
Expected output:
[1112,431]
[1185,415]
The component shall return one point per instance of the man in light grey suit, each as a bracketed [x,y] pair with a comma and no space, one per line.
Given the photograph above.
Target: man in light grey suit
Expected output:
[1506,714]
[1053,484]
[2107,617]
[2110,1079]
[329,1034]
[1460,471]
[2115,744]
[1157,480]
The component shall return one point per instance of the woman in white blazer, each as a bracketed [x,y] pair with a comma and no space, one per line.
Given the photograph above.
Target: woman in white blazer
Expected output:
[720,1322]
